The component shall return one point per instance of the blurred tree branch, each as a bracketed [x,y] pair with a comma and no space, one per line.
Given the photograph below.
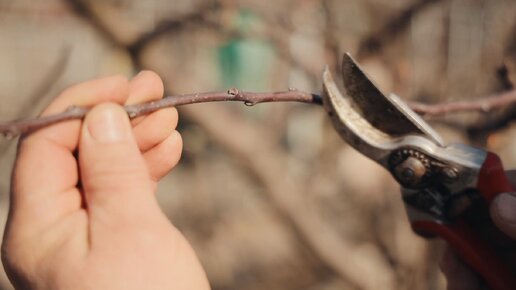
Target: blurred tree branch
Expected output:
[375,42]
[168,25]
[484,105]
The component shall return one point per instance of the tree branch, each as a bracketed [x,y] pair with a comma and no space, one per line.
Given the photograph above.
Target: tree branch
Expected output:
[483,105]
[12,129]
[15,128]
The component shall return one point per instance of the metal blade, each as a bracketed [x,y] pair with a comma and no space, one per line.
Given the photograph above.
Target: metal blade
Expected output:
[352,127]
[387,113]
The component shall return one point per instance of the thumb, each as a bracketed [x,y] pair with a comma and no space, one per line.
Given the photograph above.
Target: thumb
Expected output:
[503,212]
[114,175]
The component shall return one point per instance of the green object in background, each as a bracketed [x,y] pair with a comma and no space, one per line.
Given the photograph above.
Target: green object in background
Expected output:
[245,63]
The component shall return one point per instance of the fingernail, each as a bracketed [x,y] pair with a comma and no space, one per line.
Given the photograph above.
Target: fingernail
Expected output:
[506,207]
[108,124]
[142,72]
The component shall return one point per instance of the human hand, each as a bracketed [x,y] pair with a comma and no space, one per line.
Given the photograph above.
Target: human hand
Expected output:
[92,221]
[503,213]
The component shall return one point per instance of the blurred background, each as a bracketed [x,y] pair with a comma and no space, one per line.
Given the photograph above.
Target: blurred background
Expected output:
[269,196]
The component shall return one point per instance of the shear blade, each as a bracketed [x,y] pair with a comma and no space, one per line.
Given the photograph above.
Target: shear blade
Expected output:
[388,114]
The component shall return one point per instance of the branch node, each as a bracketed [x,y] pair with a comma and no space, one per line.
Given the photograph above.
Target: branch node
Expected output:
[71,108]
[10,134]
[485,107]
[233,91]
[131,113]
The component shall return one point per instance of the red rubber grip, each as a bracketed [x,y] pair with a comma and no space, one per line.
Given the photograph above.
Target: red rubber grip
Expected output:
[492,179]
[476,250]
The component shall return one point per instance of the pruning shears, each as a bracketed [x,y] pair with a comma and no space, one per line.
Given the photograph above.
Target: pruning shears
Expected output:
[446,189]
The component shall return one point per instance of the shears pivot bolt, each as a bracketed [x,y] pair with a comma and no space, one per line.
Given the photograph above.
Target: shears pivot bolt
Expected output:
[410,171]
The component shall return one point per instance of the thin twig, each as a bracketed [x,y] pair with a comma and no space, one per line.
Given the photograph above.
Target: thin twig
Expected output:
[12,129]
[15,128]
[483,105]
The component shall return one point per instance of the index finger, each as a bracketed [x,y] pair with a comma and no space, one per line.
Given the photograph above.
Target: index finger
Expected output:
[45,163]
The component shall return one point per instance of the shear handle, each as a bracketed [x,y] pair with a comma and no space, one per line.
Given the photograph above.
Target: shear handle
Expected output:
[492,179]
[479,244]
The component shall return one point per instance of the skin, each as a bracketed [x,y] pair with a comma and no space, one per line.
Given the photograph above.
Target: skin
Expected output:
[90,220]
[83,211]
